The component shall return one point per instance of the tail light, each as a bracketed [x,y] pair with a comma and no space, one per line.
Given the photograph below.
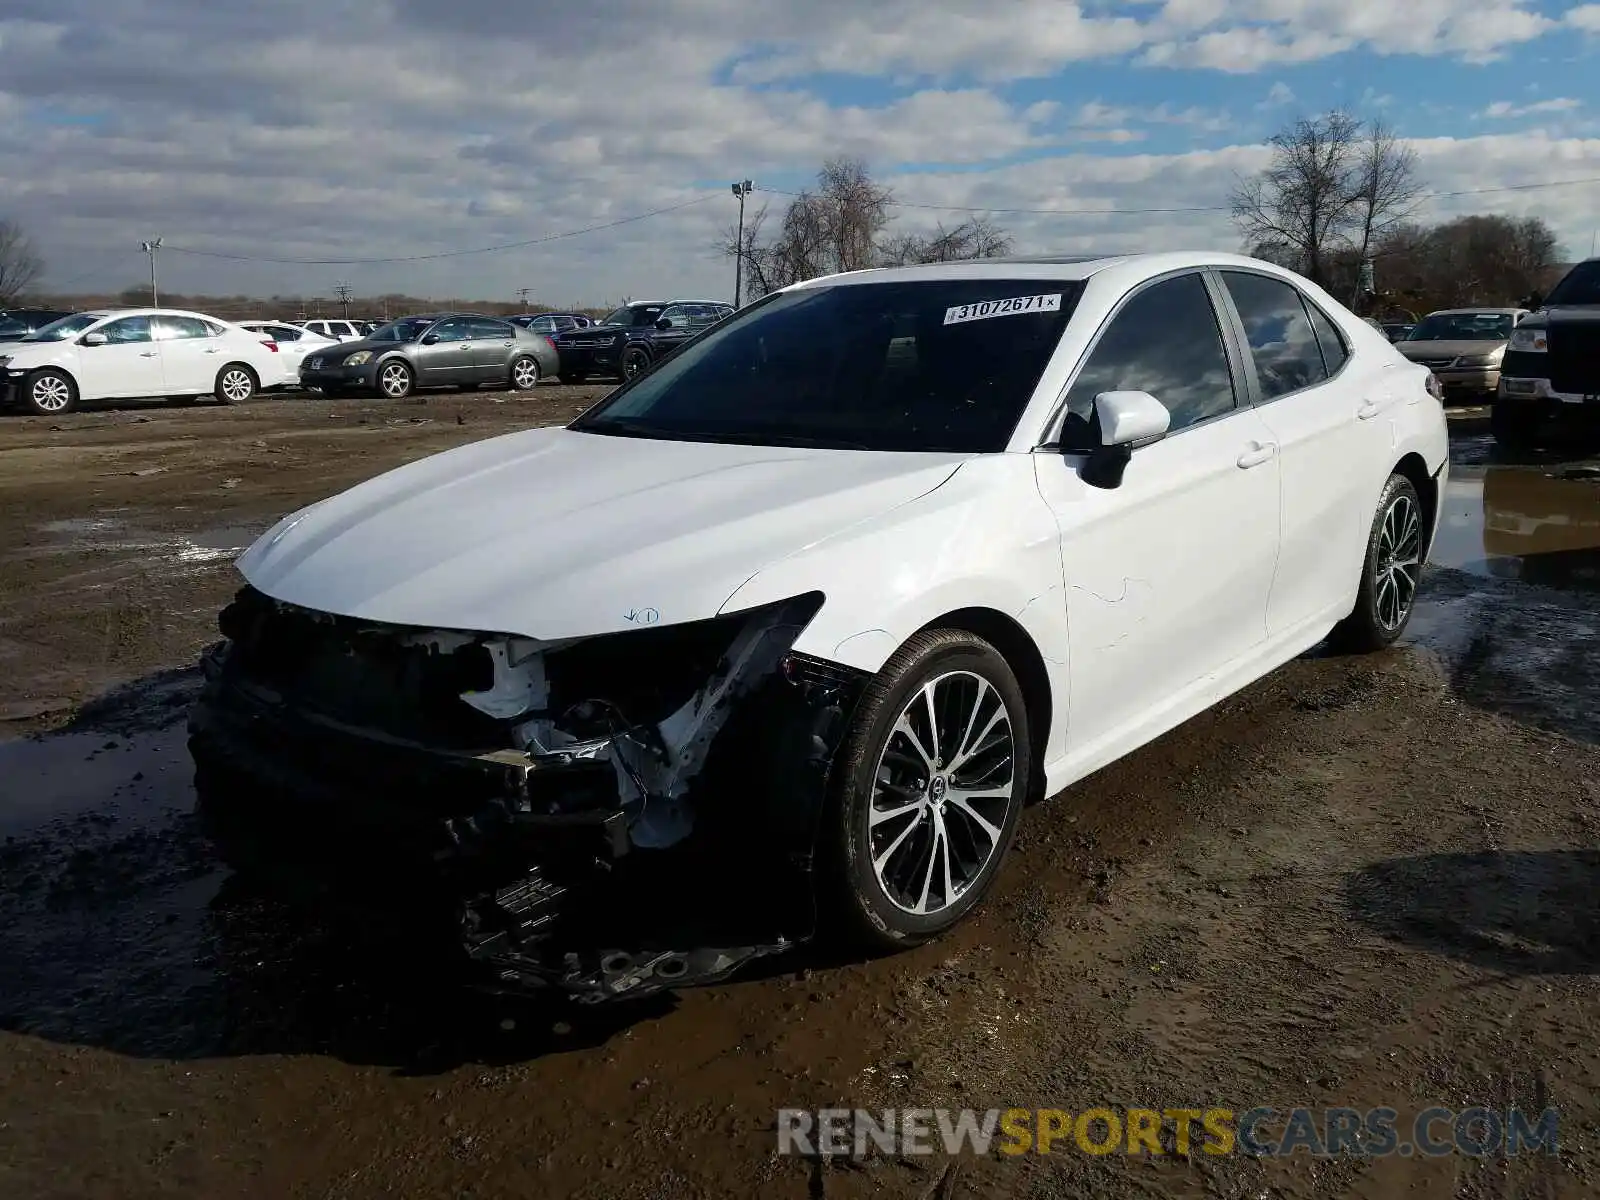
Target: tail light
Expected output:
[270,344]
[1435,388]
[551,342]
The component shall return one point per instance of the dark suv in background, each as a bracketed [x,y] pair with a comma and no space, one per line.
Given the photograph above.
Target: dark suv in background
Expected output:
[18,323]
[632,337]
[1550,376]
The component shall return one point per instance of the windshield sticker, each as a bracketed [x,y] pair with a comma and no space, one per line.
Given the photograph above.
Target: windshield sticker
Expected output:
[1002,308]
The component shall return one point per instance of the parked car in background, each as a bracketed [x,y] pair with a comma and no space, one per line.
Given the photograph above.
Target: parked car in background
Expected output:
[294,344]
[338,331]
[1398,331]
[630,338]
[135,353]
[550,324]
[1463,347]
[1550,379]
[779,639]
[433,350]
[18,323]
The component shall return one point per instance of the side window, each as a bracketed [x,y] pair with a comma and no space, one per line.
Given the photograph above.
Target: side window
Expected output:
[283,333]
[1165,341]
[128,329]
[677,315]
[486,329]
[320,327]
[1334,351]
[453,330]
[174,329]
[1281,338]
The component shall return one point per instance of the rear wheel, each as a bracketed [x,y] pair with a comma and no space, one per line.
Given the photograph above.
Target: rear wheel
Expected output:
[525,373]
[1389,573]
[395,380]
[50,393]
[930,782]
[236,383]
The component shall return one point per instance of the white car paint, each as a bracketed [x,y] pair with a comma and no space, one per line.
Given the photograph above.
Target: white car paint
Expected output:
[334,331]
[179,353]
[1230,547]
[294,343]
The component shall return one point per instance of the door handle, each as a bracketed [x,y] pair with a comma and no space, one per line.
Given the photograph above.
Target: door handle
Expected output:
[1258,453]
[1368,410]
[148,353]
[212,350]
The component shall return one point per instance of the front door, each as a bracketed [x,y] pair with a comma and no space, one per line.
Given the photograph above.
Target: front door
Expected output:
[1167,575]
[446,359]
[129,364]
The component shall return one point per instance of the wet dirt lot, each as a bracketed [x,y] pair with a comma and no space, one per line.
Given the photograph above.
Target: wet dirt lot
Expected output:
[1361,882]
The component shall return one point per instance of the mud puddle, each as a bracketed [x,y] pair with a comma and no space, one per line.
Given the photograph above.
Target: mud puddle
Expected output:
[1532,524]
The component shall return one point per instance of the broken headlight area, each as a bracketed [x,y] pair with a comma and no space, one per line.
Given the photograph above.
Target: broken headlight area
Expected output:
[607,815]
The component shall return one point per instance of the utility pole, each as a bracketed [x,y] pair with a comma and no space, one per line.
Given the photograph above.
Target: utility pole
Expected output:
[342,290]
[522,295]
[150,248]
[741,189]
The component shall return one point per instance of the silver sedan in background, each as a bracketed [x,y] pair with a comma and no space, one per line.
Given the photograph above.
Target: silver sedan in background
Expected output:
[463,350]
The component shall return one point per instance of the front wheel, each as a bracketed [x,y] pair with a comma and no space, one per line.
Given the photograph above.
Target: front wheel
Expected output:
[236,383]
[930,782]
[395,380]
[50,393]
[1389,573]
[634,360]
[525,374]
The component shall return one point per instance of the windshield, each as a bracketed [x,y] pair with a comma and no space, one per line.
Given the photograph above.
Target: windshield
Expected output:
[1463,327]
[936,365]
[406,329]
[634,314]
[1581,285]
[66,327]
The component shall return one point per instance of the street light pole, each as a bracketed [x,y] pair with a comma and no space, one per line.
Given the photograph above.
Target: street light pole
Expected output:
[741,189]
[150,248]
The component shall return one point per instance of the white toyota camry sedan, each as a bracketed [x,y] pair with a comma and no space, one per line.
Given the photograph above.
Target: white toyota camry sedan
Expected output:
[778,639]
[135,354]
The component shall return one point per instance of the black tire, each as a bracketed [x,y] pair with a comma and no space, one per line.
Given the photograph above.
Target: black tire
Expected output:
[520,366]
[1514,428]
[1380,615]
[236,383]
[571,377]
[49,393]
[875,758]
[635,361]
[395,380]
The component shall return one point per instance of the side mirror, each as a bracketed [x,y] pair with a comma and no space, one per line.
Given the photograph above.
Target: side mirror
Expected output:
[430,339]
[1122,421]
[664,323]
[93,339]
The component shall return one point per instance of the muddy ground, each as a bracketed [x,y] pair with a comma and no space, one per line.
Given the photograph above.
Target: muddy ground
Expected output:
[1361,882]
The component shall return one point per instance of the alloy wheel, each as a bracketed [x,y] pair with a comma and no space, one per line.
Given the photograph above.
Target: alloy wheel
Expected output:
[395,381]
[1398,562]
[51,394]
[945,780]
[633,362]
[237,385]
[524,373]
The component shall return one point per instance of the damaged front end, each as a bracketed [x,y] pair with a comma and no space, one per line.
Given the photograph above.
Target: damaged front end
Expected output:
[606,816]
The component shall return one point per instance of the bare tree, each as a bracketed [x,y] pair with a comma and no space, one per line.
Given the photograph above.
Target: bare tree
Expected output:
[1334,183]
[839,226]
[20,263]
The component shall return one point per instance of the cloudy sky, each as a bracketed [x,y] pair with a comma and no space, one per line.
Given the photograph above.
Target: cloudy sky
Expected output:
[373,129]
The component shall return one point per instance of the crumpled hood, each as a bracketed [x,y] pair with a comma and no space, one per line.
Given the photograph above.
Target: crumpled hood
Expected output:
[553,534]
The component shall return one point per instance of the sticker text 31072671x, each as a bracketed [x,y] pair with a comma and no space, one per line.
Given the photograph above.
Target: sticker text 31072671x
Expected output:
[1001,308]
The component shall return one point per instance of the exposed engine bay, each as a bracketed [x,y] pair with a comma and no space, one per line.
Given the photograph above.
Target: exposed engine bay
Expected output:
[607,816]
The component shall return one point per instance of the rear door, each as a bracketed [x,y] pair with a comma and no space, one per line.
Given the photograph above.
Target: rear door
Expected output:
[492,344]
[1326,417]
[190,355]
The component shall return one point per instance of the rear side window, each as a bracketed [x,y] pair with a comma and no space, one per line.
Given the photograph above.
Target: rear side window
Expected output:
[1282,342]
[1334,351]
[172,329]
[1165,341]
[283,333]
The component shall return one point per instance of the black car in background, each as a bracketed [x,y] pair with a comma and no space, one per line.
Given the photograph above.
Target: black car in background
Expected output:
[1550,376]
[551,323]
[18,323]
[629,339]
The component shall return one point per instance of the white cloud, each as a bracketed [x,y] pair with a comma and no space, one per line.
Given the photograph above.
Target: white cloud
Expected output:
[1502,109]
[1585,17]
[1278,95]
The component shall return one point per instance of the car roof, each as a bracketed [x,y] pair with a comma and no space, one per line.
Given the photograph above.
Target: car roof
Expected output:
[1061,267]
[1462,312]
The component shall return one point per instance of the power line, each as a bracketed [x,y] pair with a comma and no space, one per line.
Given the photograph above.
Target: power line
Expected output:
[1196,208]
[408,258]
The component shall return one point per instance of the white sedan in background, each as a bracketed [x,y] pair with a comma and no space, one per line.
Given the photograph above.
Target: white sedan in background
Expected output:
[135,354]
[810,608]
[294,343]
